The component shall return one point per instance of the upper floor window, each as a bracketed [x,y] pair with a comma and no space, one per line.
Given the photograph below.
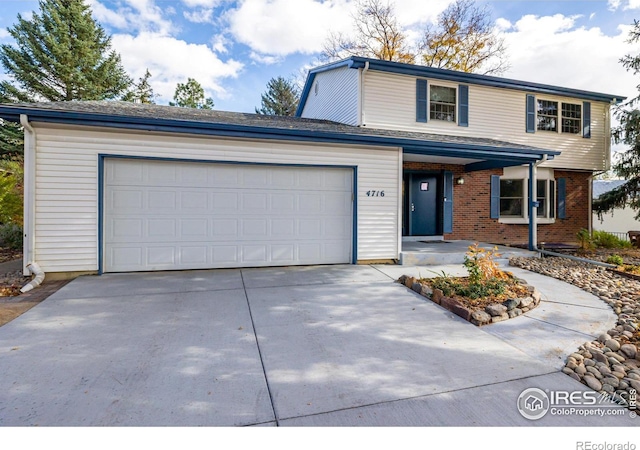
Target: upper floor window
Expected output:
[571,118]
[442,103]
[547,115]
[558,117]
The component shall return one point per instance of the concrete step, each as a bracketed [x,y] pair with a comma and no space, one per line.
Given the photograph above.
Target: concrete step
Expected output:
[420,258]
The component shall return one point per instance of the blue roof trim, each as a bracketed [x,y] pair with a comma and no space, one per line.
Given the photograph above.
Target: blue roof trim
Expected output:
[357,62]
[416,146]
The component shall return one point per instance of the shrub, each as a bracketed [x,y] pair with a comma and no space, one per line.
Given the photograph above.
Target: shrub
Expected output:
[11,236]
[615,259]
[11,179]
[602,239]
[584,239]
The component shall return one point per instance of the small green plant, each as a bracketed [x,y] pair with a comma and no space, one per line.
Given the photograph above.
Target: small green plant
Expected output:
[584,239]
[11,236]
[615,259]
[602,239]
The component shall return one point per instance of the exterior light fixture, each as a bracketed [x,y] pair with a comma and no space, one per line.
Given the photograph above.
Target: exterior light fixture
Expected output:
[460,180]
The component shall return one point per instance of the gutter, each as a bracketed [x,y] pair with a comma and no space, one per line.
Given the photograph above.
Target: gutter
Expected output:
[28,246]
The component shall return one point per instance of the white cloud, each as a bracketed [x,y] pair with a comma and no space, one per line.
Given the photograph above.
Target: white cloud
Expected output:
[282,27]
[202,15]
[201,3]
[633,4]
[552,50]
[614,4]
[266,59]
[135,15]
[172,61]
[4,34]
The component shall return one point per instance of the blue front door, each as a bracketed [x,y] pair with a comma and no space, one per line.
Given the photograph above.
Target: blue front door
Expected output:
[423,205]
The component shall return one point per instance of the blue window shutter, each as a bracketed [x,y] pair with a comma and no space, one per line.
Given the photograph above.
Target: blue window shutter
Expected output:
[586,120]
[447,215]
[463,105]
[495,196]
[531,113]
[421,100]
[562,198]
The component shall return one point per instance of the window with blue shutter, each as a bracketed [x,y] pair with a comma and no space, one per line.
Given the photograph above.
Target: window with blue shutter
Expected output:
[463,105]
[586,120]
[562,198]
[447,215]
[421,100]
[531,114]
[495,196]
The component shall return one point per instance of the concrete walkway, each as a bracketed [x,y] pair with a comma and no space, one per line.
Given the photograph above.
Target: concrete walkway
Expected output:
[307,346]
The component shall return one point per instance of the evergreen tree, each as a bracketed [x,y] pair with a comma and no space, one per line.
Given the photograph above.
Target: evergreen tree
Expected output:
[141,92]
[191,95]
[11,141]
[280,99]
[627,164]
[61,54]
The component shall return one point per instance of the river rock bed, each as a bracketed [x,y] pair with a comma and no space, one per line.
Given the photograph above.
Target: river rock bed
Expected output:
[609,364]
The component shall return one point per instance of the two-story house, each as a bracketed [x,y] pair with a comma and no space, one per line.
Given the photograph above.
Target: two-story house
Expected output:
[379,152]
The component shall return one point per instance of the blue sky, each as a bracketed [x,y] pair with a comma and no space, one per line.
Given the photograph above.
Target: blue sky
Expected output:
[233,48]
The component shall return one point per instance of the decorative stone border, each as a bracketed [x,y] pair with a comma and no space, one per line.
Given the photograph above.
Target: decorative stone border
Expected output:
[495,312]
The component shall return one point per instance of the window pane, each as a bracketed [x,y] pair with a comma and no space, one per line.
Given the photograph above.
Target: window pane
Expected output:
[542,208]
[511,207]
[443,94]
[541,189]
[511,188]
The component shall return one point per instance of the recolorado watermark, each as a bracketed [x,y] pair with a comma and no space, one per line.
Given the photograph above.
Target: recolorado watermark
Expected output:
[588,445]
[534,404]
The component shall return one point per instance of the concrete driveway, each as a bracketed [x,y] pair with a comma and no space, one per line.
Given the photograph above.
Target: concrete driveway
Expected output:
[307,346]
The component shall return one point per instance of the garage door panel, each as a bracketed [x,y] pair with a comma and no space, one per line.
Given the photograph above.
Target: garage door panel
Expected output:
[196,215]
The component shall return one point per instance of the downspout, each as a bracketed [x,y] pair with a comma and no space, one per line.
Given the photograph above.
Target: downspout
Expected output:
[533,204]
[29,194]
[35,269]
[362,114]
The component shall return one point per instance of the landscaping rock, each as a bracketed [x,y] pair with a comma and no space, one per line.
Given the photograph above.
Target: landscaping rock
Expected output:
[592,382]
[512,303]
[500,318]
[480,318]
[612,344]
[437,296]
[416,287]
[515,313]
[526,302]
[630,350]
[496,310]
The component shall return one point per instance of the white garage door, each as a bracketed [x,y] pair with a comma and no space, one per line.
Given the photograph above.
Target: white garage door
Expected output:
[161,215]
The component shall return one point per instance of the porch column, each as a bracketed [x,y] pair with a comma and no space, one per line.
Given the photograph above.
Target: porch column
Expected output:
[533,207]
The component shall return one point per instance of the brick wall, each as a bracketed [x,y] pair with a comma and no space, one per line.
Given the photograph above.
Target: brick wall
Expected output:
[471,208]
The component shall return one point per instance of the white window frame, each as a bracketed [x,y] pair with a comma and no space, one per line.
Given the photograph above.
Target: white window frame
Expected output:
[560,117]
[430,85]
[522,173]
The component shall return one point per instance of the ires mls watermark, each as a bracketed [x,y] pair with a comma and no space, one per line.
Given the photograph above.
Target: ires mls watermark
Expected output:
[534,403]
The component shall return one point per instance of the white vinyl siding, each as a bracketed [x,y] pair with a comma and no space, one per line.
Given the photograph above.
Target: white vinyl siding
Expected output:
[334,96]
[66,223]
[494,113]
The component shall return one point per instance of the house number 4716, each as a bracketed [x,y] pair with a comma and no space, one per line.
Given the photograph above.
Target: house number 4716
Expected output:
[375,193]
